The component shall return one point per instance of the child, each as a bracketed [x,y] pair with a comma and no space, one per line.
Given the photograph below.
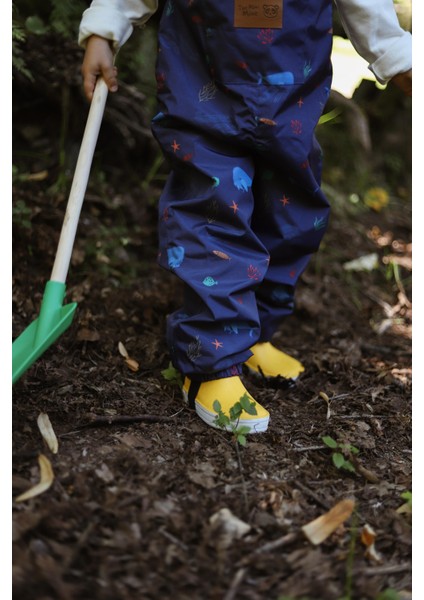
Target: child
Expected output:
[241,86]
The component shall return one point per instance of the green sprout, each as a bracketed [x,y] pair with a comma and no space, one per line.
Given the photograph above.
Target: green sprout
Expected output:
[339,453]
[231,422]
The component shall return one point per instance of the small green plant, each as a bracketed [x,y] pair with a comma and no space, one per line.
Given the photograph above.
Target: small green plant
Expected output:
[172,375]
[339,453]
[231,422]
[21,214]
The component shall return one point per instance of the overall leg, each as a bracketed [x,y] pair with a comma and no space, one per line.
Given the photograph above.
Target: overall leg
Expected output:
[205,239]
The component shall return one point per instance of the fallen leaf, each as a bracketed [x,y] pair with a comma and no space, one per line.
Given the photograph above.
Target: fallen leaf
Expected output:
[122,350]
[368,537]
[87,335]
[46,430]
[132,364]
[327,400]
[46,480]
[319,529]
[225,528]
[367,262]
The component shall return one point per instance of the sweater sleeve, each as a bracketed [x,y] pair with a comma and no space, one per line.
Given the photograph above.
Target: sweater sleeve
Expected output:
[374,30]
[114,19]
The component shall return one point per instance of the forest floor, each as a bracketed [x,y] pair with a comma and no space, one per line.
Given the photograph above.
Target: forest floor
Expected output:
[146,499]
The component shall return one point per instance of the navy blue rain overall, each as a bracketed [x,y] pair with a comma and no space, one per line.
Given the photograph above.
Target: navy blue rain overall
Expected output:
[242,210]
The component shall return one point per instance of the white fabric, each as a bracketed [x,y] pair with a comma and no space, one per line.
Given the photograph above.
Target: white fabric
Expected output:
[373,28]
[371,25]
[114,19]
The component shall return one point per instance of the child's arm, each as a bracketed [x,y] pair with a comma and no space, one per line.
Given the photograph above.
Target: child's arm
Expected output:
[105,26]
[373,28]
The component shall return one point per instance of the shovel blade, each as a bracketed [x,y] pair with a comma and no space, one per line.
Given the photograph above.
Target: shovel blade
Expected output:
[53,320]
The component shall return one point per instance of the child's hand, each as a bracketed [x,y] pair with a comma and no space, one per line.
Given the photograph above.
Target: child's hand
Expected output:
[98,60]
[404,82]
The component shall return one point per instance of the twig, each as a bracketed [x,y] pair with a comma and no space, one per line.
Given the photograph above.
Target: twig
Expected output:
[312,494]
[307,448]
[98,420]
[237,579]
[386,570]
[173,539]
[285,540]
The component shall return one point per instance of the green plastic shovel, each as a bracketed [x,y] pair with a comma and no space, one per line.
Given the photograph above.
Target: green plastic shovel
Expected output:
[54,318]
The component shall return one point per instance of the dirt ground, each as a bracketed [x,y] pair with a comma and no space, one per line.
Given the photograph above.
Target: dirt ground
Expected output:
[138,508]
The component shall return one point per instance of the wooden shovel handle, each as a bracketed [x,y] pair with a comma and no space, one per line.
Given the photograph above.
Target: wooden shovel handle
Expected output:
[79,183]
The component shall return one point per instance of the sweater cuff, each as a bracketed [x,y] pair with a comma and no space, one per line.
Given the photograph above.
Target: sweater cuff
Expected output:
[397,59]
[107,23]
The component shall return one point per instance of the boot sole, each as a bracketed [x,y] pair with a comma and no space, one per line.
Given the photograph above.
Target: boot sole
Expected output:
[256,425]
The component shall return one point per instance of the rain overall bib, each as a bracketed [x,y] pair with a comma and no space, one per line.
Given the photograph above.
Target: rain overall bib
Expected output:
[241,86]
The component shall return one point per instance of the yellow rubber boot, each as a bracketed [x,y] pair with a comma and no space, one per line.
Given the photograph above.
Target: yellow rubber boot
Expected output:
[227,391]
[270,362]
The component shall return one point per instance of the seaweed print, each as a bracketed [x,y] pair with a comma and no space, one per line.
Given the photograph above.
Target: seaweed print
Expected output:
[253,273]
[307,68]
[208,92]
[296,126]
[169,8]
[194,349]
[266,36]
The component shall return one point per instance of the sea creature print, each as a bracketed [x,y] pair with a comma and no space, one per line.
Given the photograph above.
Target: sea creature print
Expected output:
[296,126]
[282,295]
[216,182]
[209,281]
[266,36]
[175,256]
[241,179]
[217,344]
[282,78]
[307,68]
[319,223]
[270,122]
[169,8]
[236,328]
[221,254]
[208,92]
[253,273]
[194,350]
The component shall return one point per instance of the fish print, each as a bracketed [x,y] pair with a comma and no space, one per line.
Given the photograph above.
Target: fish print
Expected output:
[221,254]
[209,281]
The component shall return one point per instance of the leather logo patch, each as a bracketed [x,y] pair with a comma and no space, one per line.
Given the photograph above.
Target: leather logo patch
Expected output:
[263,15]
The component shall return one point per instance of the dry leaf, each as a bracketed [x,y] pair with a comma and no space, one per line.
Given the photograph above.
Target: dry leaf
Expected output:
[46,430]
[88,335]
[132,364]
[327,400]
[318,530]
[368,537]
[46,480]
[225,528]
[122,350]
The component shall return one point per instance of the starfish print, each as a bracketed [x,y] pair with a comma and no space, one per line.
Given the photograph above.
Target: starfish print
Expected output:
[217,344]
[175,146]
[300,102]
[234,206]
[284,200]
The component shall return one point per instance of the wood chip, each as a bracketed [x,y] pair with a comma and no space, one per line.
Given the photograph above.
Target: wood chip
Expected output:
[318,530]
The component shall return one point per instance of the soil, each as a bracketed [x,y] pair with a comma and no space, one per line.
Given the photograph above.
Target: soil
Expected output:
[145,496]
